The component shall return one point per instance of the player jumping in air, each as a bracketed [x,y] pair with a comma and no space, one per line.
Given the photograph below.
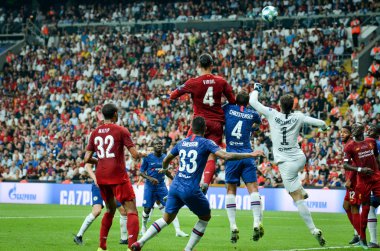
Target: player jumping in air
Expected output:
[97,206]
[184,190]
[206,92]
[155,187]
[109,140]
[284,129]
[239,125]
[363,153]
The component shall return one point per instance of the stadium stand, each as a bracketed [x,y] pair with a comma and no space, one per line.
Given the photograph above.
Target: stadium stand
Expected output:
[52,93]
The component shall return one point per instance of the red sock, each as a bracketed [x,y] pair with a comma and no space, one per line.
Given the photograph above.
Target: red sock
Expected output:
[356,222]
[133,228]
[105,228]
[209,171]
[363,221]
[349,215]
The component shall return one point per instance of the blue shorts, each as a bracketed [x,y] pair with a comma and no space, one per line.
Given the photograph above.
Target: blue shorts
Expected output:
[153,194]
[97,198]
[246,169]
[375,201]
[195,200]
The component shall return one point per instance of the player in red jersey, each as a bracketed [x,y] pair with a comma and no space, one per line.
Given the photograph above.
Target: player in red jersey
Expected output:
[364,154]
[350,198]
[206,92]
[108,140]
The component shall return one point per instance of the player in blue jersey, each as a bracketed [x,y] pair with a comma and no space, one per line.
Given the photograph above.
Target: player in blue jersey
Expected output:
[184,190]
[155,187]
[373,132]
[97,206]
[238,128]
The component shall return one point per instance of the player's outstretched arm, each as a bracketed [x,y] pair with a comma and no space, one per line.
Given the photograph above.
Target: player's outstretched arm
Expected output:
[316,122]
[254,101]
[237,156]
[166,162]
[89,159]
[135,154]
[180,90]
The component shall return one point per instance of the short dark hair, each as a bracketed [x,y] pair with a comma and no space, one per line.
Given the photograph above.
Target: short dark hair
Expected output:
[109,111]
[198,125]
[347,127]
[205,60]
[287,102]
[242,98]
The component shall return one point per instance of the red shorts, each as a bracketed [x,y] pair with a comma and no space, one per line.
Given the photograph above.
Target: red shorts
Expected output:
[364,191]
[351,197]
[122,192]
[214,132]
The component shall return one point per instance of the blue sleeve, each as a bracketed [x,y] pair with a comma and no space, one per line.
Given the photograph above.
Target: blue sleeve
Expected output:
[212,147]
[144,165]
[175,150]
[225,108]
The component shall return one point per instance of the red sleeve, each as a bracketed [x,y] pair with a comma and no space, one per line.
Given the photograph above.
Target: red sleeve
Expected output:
[229,93]
[347,154]
[185,88]
[126,137]
[90,145]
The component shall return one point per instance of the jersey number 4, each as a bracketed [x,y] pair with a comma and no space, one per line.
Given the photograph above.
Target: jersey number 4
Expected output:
[236,132]
[108,140]
[209,97]
[190,168]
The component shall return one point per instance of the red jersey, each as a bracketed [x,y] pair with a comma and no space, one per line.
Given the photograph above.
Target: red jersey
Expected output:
[206,92]
[350,175]
[363,154]
[108,141]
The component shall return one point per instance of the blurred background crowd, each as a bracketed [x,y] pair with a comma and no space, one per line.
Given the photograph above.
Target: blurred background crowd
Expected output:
[52,93]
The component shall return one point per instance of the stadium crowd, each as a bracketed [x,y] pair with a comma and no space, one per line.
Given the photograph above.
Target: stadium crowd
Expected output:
[11,19]
[52,95]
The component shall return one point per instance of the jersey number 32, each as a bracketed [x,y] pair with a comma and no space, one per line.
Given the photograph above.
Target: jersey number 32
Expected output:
[100,143]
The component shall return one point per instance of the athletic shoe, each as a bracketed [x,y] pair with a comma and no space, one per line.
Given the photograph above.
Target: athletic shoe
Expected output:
[123,242]
[355,240]
[234,235]
[256,233]
[136,246]
[78,240]
[363,244]
[261,230]
[373,245]
[180,233]
[165,198]
[319,236]
[100,249]
[204,188]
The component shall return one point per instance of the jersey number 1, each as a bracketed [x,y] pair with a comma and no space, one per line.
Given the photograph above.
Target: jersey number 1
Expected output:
[284,142]
[209,97]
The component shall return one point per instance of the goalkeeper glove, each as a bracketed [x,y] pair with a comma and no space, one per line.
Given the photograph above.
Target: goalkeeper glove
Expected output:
[258,87]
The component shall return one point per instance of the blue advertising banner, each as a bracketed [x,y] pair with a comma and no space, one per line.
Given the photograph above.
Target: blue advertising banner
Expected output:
[274,199]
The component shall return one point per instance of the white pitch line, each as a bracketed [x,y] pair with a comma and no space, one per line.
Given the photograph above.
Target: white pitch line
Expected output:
[65,217]
[321,248]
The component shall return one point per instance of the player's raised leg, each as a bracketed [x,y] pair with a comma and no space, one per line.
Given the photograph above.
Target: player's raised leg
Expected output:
[289,172]
[123,224]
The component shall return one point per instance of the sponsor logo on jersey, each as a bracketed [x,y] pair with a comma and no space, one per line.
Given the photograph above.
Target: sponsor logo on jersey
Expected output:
[181,175]
[284,149]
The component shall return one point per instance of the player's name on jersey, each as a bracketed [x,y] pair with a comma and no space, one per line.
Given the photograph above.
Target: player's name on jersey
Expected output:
[208,81]
[241,115]
[103,130]
[234,143]
[285,122]
[189,144]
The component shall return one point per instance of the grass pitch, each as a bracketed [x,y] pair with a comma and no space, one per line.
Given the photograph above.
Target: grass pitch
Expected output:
[51,227]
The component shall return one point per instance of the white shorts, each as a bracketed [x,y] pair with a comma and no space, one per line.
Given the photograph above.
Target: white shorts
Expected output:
[289,173]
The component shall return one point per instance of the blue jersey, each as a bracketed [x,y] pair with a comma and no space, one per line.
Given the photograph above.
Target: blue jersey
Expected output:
[238,128]
[151,165]
[193,153]
[378,145]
